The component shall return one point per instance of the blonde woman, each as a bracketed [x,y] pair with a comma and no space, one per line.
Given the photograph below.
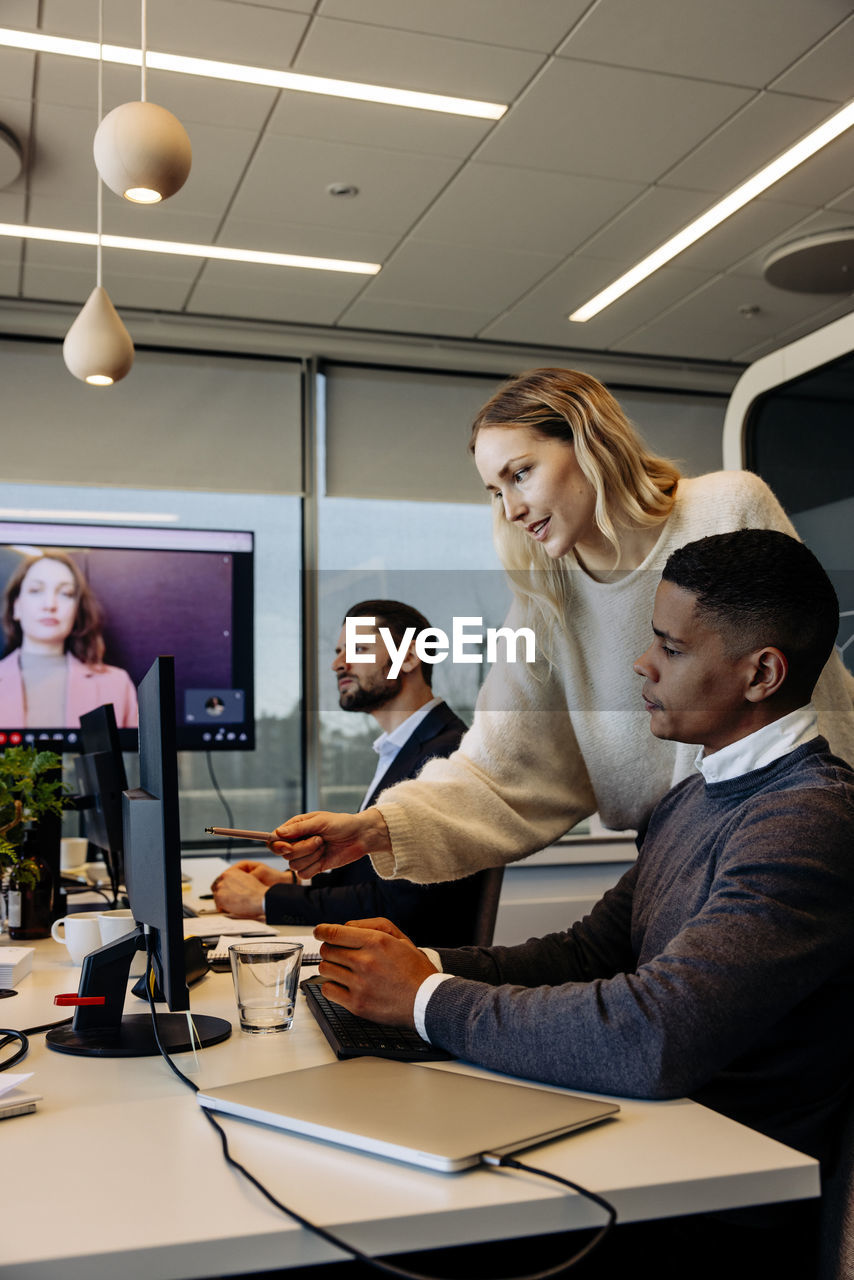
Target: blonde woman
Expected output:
[585,518]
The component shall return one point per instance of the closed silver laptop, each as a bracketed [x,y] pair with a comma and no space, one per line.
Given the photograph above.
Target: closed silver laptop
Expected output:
[438,1119]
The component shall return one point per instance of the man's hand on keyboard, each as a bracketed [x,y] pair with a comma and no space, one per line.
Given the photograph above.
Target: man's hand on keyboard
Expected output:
[372,969]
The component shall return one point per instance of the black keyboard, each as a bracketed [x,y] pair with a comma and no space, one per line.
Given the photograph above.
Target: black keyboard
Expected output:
[354,1037]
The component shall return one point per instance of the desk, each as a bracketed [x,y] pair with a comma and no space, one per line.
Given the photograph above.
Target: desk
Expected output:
[118,1173]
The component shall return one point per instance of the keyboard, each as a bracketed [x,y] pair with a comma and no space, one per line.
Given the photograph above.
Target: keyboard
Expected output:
[354,1037]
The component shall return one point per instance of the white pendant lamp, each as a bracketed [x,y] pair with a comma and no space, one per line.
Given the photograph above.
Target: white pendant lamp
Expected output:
[142,151]
[98,348]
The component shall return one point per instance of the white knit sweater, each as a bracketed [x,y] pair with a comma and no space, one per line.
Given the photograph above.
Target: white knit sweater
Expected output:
[551,744]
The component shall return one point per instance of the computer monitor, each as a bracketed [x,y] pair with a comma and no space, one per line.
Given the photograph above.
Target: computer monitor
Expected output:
[120,595]
[152,849]
[101,779]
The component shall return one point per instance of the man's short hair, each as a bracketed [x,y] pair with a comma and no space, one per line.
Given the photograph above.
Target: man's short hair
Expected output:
[397,617]
[761,587]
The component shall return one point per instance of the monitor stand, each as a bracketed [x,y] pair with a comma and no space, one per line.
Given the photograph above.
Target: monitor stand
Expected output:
[105,1031]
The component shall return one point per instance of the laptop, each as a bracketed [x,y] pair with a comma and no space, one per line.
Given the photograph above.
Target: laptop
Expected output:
[405,1111]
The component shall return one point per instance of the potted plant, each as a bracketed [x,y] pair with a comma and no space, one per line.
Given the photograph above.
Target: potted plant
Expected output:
[31,789]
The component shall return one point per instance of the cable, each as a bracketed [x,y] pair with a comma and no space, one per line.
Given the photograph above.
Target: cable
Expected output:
[225,804]
[377,1264]
[7,1036]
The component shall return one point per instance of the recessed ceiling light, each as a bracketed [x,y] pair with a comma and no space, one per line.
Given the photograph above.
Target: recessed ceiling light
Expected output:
[737,199]
[39,42]
[56,235]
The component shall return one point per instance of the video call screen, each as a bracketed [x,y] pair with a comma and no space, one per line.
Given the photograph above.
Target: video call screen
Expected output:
[129,594]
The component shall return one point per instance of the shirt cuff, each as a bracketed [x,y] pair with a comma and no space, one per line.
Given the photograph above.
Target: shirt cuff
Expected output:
[433,957]
[422,998]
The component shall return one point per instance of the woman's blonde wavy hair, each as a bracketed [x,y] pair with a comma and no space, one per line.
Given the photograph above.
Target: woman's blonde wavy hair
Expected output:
[632,485]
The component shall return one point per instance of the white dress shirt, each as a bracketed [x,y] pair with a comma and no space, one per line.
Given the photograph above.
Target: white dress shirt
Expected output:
[387,745]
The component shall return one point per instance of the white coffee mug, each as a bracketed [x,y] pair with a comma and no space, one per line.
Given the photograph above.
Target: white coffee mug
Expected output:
[81,933]
[115,924]
[73,851]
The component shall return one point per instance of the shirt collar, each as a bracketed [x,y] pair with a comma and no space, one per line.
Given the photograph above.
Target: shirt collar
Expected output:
[760,748]
[395,740]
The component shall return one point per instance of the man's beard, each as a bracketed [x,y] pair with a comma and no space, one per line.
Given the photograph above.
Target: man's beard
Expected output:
[370,699]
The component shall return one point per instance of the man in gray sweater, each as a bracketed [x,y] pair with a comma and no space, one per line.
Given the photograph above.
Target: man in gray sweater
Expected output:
[721,965]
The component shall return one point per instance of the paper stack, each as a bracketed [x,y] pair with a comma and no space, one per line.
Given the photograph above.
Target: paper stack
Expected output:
[15,964]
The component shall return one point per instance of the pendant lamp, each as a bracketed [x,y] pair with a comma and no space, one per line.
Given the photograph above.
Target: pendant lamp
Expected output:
[98,348]
[142,151]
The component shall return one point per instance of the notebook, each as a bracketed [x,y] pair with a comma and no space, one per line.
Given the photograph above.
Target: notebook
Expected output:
[436,1119]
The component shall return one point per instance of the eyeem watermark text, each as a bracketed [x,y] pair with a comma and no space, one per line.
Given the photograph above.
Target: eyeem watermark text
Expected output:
[433,645]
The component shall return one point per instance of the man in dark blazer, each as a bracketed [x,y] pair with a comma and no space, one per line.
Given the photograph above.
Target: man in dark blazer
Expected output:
[416,727]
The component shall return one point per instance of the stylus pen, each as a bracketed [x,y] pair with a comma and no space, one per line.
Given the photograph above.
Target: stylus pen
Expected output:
[263,836]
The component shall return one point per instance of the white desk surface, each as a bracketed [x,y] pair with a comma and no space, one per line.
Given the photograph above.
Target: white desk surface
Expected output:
[118,1172]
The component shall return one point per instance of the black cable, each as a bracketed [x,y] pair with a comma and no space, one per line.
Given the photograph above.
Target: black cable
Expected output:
[387,1267]
[229,843]
[7,1036]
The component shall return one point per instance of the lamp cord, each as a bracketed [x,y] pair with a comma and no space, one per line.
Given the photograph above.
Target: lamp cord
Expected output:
[143,45]
[99,198]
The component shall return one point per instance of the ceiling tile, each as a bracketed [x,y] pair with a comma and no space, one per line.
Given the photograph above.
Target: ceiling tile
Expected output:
[843,203]
[468,277]
[58,284]
[17,68]
[658,214]
[380,55]
[536,24]
[523,208]
[20,13]
[729,40]
[709,326]
[215,29]
[73,82]
[822,178]
[290,176]
[756,135]
[277,236]
[825,71]
[413,317]
[799,330]
[15,114]
[749,231]
[609,122]
[303,297]
[541,316]
[117,262]
[9,274]
[314,115]
[160,222]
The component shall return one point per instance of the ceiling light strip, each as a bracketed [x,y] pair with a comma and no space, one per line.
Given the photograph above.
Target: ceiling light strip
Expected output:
[725,208]
[219,252]
[38,42]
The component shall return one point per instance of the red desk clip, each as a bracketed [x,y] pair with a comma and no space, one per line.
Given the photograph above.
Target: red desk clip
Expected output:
[73,998]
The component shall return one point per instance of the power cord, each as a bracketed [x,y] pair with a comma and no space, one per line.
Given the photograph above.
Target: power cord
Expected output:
[229,848]
[9,1036]
[388,1268]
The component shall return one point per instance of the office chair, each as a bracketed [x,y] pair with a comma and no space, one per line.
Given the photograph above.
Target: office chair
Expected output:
[489,892]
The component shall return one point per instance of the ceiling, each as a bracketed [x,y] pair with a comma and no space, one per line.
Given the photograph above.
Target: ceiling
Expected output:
[627,118]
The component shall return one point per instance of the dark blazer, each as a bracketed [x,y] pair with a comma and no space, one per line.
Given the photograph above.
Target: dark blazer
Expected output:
[438,914]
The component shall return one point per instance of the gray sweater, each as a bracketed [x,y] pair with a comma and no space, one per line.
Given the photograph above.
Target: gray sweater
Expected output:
[721,965]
